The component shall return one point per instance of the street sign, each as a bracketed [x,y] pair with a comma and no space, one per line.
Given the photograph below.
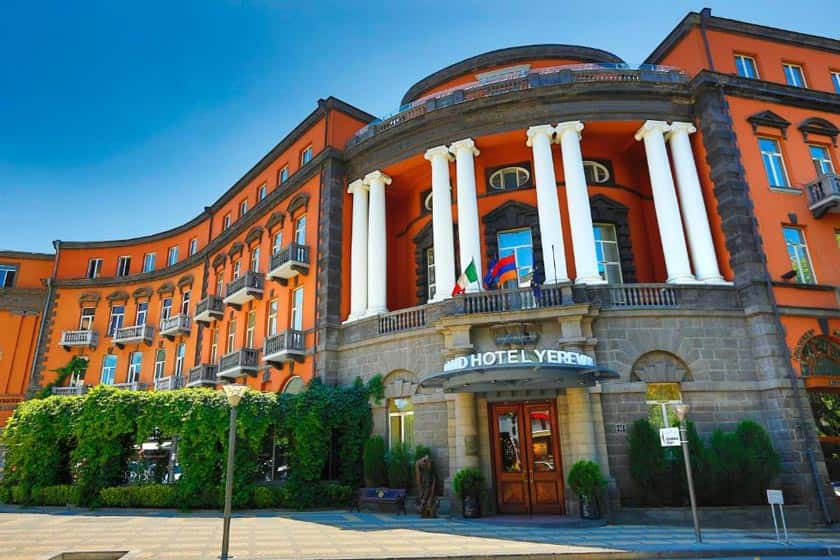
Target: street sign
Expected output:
[669,437]
[775,497]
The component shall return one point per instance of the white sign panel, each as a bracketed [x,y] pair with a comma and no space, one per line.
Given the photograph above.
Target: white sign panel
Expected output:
[519,357]
[669,437]
[775,497]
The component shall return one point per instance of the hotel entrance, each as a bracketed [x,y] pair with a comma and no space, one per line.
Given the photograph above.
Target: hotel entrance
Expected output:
[526,458]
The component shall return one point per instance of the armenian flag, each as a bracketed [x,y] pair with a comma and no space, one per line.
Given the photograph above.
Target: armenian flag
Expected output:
[503,270]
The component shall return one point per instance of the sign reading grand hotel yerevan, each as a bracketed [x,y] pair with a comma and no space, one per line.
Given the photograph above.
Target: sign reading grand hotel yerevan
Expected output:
[520,358]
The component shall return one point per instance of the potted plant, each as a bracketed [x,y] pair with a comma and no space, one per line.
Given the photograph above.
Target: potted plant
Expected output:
[586,480]
[468,484]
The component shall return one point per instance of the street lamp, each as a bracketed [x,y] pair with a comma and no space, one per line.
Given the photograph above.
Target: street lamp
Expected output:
[234,395]
[681,411]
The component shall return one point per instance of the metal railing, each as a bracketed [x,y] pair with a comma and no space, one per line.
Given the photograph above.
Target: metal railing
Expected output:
[516,299]
[643,296]
[290,253]
[79,338]
[245,358]
[290,341]
[823,187]
[71,390]
[210,304]
[179,322]
[168,383]
[250,280]
[555,75]
[135,332]
[204,373]
[403,320]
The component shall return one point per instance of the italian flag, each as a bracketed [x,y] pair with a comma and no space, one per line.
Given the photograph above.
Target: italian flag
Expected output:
[467,277]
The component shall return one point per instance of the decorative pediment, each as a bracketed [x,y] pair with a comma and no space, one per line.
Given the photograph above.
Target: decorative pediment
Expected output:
[166,288]
[254,235]
[219,260]
[89,298]
[820,127]
[769,119]
[236,249]
[275,221]
[185,281]
[144,292]
[118,295]
[299,201]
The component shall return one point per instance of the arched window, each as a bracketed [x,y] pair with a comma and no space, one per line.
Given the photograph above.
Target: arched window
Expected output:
[509,178]
[596,173]
[294,385]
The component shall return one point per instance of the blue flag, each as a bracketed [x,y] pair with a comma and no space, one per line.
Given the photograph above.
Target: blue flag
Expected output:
[490,277]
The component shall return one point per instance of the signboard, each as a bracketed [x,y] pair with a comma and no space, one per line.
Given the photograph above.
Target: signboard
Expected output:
[669,437]
[775,497]
[520,358]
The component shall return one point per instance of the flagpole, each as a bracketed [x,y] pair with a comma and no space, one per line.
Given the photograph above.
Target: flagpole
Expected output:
[554,260]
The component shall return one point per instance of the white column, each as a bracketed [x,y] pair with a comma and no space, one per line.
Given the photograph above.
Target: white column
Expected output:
[548,208]
[377,277]
[665,203]
[444,241]
[358,250]
[693,207]
[577,197]
[469,241]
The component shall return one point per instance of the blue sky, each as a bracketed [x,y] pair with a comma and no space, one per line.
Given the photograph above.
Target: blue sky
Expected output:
[120,119]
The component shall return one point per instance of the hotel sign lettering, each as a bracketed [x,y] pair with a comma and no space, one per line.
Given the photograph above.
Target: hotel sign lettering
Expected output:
[520,358]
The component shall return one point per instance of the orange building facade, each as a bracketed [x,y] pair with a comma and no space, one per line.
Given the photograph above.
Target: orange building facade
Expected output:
[671,233]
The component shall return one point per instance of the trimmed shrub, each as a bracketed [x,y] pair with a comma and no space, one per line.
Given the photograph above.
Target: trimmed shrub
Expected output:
[468,482]
[420,451]
[585,479]
[20,494]
[141,495]
[648,466]
[374,461]
[265,498]
[60,495]
[399,466]
[5,495]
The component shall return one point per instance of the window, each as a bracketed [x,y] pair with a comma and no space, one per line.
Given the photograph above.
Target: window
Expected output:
[774,164]
[430,273]
[243,208]
[606,250]
[185,302]
[142,311]
[193,248]
[277,243]
[123,266]
[745,66]
[262,192]
[220,284]
[294,386]
[148,262]
[400,422]
[230,345]
[166,308]
[214,345]
[518,243]
[800,260]
[135,364]
[160,362]
[821,159]
[237,269]
[7,275]
[226,222]
[306,155]
[250,327]
[596,172]
[271,324]
[283,175]
[109,368]
[94,268]
[509,178]
[835,79]
[794,76]
[427,201]
[86,319]
[297,309]
[117,316]
[180,350]
[300,230]
[255,259]
[660,399]
[172,256]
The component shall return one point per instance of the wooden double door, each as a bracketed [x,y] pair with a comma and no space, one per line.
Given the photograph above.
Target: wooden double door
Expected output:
[526,458]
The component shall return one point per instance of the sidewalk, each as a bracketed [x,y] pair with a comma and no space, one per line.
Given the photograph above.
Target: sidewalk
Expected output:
[39,533]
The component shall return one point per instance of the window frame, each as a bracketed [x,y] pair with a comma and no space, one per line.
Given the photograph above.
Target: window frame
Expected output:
[300,230]
[402,415]
[781,159]
[754,62]
[665,405]
[262,192]
[283,175]
[141,313]
[798,67]
[602,243]
[296,309]
[306,155]
[149,261]
[801,244]
[214,345]
[192,248]
[250,328]
[172,256]
[97,268]
[835,80]
[431,279]
[180,353]
[226,222]
[255,259]
[116,319]
[520,273]
[135,367]
[276,243]
[166,308]
[185,302]
[598,166]
[230,342]
[243,208]
[90,317]
[8,273]
[272,318]
[827,159]
[110,369]
[123,266]
[502,171]
[160,363]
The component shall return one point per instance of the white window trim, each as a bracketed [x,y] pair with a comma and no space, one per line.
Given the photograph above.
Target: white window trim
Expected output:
[617,250]
[827,156]
[149,259]
[803,244]
[97,268]
[500,173]
[262,192]
[193,246]
[111,369]
[271,320]
[123,259]
[754,65]
[297,310]
[250,328]
[172,256]
[786,65]
[835,80]
[781,157]
[82,318]
[160,364]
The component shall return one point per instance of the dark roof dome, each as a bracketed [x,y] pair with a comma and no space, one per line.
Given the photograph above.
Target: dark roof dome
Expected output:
[507,56]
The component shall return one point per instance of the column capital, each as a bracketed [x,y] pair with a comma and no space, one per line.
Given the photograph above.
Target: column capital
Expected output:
[569,126]
[377,177]
[438,151]
[539,130]
[357,186]
[465,144]
[651,127]
[686,127]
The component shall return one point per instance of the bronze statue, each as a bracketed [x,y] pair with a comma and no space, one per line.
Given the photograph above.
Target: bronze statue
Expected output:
[426,482]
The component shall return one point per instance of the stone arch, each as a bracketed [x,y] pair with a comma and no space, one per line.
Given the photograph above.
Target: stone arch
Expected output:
[400,383]
[659,366]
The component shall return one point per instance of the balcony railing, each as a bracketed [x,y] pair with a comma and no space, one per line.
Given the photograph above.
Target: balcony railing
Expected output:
[175,325]
[493,301]
[643,296]
[136,333]
[245,288]
[403,320]
[205,374]
[824,195]
[79,338]
[168,383]
[133,386]
[520,81]
[71,390]
[283,347]
[239,363]
[289,261]
[210,308]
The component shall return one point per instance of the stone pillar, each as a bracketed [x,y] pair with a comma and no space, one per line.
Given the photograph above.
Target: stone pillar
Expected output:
[444,242]
[377,277]
[469,241]
[359,251]
[548,208]
[581,429]
[466,432]
[693,206]
[665,203]
[577,196]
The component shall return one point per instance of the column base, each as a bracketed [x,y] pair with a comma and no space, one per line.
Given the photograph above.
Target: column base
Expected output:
[683,280]
[556,281]
[439,299]
[353,317]
[590,280]
[716,280]
[374,312]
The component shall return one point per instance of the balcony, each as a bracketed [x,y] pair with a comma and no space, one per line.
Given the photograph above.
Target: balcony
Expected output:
[134,334]
[290,261]
[824,195]
[169,383]
[171,327]
[73,390]
[134,386]
[244,289]
[209,309]
[203,375]
[284,347]
[239,363]
[87,338]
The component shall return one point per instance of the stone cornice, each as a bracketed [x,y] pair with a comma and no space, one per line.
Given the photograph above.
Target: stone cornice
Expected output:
[26,255]
[769,92]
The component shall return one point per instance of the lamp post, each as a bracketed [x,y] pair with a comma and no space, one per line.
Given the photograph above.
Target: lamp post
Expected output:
[234,395]
[681,411]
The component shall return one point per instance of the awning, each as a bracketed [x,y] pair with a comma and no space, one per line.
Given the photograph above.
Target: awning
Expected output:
[510,377]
